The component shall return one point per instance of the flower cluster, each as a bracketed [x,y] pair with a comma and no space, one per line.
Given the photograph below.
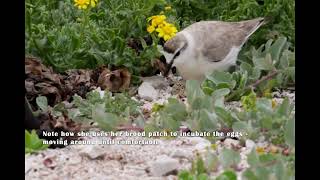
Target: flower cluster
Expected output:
[83,4]
[165,30]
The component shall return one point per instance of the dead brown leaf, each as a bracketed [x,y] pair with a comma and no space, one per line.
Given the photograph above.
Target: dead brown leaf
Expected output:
[33,66]
[41,80]
[159,65]
[50,91]
[114,81]
[78,81]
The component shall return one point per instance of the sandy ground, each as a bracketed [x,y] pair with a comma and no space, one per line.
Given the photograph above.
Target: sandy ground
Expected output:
[111,161]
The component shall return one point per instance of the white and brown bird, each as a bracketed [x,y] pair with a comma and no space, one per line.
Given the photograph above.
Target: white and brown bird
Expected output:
[206,46]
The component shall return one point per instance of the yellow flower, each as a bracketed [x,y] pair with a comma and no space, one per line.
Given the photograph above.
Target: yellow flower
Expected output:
[166,31]
[93,3]
[156,20]
[214,146]
[260,150]
[150,29]
[167,8]
[274,103]
[82,4]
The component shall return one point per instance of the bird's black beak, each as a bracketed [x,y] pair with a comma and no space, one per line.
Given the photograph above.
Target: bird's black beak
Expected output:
[169,66]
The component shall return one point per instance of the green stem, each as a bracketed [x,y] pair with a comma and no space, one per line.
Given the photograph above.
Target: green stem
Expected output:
[85,21]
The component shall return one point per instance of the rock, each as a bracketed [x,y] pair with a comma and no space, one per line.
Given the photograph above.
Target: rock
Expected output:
[172,177]
[74,160]
[250,144]
[243,161]
[261,139]
[27,165]
[202,146]
[101,93]
[236,105]
[178,153]
[197,140]
[146,91]
[228,143]
[147,107]
[158,82]
[92,151]
[67,105]
[134,170]
[163,165]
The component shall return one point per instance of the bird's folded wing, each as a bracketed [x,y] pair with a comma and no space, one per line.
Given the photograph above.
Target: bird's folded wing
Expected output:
[217,38]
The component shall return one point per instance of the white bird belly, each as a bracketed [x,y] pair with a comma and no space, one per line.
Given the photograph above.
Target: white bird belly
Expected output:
[196,68]
[192,65]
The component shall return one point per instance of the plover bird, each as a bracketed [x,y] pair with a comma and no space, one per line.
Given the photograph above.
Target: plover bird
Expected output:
[206,46]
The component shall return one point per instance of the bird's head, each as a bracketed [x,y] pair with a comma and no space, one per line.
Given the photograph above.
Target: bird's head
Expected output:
[173,48]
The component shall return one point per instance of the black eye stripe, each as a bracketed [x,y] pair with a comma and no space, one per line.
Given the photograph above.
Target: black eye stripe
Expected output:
[176,55]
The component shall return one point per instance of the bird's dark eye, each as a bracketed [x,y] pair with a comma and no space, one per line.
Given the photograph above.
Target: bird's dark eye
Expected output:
[174,70]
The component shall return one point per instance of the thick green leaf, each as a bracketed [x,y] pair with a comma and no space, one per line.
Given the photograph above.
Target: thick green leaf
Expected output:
[267,158]
[229,157]
[227,175]
[264,63]
[284,60]
[207,121]
[42,103]
[279,170]
[263,173]
[212,161]
[218,77]
[277,48]
[193,90]
[175,109]
[253,159]
[241,127]
[256,73]
[202,176]
[246,67]
[264,105]
[106,121]
[218,96]
[279,79]
[268,45]
[225,116]
[290,71]
[266,122]
[249,102]
[33,143]
[200,103]
[151,127]
[185,175]
[207,90]
[289,133]
[243,81]
[284,108]
[199,166]
[249,175]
